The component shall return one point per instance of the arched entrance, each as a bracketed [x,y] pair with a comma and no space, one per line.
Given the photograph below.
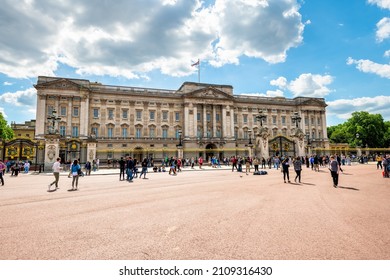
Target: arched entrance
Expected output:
[211,150]
[138,154]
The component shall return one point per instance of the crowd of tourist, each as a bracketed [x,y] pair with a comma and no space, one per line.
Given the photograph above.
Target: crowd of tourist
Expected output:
[130,168]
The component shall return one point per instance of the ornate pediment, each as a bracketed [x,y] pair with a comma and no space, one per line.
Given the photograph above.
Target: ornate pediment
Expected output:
[208,93]
[60,84]
[314,102]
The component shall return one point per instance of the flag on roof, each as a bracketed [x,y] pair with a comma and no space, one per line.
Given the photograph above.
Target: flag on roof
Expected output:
[196,63]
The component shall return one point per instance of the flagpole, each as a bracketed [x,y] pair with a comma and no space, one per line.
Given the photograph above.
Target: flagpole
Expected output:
[198,71]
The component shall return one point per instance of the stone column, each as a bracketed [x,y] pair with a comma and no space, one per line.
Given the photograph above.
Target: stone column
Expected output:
[323,123]
[224,120]
[83,117]
[69,117]
[195,127]
[186,121]
[232,122]
[41,115]
[303,126]
[204,121]
[214,133]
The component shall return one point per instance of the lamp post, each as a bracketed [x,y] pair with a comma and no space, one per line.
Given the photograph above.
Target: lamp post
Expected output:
[250,145]
[296,118]
[179,146]
[261,117]
[358,150]
[308,143]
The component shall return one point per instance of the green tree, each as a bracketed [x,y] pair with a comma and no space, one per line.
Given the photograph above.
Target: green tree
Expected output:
[6,131]
[372,131]
[370,127]
[387,134]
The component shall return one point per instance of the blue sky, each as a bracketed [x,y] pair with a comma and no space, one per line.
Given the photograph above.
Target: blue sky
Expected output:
[335,49]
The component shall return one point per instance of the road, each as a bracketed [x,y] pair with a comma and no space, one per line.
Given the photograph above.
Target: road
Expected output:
[206,215]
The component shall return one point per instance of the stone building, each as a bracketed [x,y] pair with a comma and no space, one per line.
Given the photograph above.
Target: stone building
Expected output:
[92,120]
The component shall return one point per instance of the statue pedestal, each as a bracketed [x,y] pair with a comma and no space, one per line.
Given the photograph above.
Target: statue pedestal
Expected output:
[52,150]
[91,151]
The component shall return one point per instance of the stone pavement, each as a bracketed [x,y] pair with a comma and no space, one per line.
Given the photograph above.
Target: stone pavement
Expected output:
[209,214]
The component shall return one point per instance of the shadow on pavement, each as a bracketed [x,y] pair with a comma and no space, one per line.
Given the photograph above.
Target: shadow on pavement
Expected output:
[348,188]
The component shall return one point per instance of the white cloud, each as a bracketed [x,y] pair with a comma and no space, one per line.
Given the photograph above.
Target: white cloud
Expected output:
[7,84]
[269,93]
[387,53]
[280,82]
[20,98]
[307,84]
[367,66]
[132,38]
[343,108]
[383,31]
[3,113]
[384,4]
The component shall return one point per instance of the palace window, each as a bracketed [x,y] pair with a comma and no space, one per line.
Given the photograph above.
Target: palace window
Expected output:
[96,113]
[151,115]
[245,119]
[63,111]
[165,133]
[283,120]
[235,118]
[139,115]
[199,132]
[110,114]
[75,111]
[217,117]
[62,130]
[208,117]
[110,131]
[95,131]
[152,132]
[165,116]
[138,133]
[125,113]
[50,110]
[218,132]
[198,117]
[75,131]
[124,132]
[177,116]
[274,120]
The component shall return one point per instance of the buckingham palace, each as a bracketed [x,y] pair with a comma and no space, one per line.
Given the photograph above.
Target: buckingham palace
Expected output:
[80,119]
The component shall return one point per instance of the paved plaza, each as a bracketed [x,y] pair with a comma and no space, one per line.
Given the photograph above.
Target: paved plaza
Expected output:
[208,214]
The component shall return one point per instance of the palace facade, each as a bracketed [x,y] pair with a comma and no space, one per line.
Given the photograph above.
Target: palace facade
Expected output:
[77,118]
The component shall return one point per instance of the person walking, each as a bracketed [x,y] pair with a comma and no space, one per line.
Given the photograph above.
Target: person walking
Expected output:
[334,168]
[234,163]
[56,172]
[200,162]
[285,166]
[76,169]
[122,167]
[26,167]
[256,164]
[88,167]
[298,169]
[247,165]
[129,169]
[2,169]
[144,170]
